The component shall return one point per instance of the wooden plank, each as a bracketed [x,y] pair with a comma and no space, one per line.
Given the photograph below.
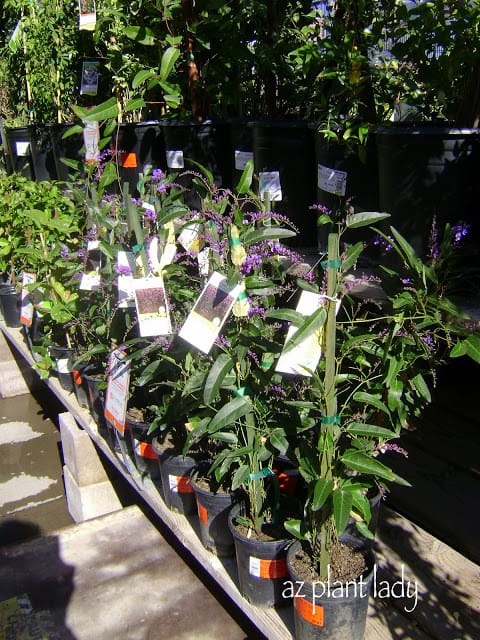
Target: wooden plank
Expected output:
[448,604]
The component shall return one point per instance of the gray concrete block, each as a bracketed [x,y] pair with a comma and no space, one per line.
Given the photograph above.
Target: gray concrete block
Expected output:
[79,453]
[91,501]
[15,373]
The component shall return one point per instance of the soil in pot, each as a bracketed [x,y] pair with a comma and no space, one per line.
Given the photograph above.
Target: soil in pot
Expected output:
[213,506]
[336,608]
[261,562]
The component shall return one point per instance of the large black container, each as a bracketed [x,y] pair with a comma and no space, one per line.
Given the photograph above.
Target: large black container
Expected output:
[427,171]
[175,471]
[64,358]
[10,305]
[206,143]
[286,149]
[241,146]
[71,148]
[343,177]
[31,152]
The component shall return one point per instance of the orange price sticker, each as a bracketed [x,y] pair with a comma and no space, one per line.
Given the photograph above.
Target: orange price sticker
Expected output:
[146,450]
[310,611]
[183,485]
[202,514]
[129,160]
[271,569]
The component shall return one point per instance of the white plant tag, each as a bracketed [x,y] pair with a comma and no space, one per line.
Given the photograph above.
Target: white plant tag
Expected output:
[269,182]
[152,307]
[332,180]
[26,305]
[175,159]
[116,394]
[22,148]
[209,313]
[64,365]
[126,279]
[91,276]
[241,159]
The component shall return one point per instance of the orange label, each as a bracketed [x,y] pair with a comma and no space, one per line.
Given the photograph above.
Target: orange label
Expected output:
[202,514]
[146,450]
[77,378]
[129,160]
[183,484]
[268,568]
[309,611]
[116,423]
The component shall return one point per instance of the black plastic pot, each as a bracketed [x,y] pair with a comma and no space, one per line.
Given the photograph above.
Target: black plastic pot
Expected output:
[287,147]
[64,357]
[31,152]
[144,455]
[262,566]
[425,171]
[80,385]
[342,176]
[213,511]
[206,143]
[70,148]
[10,306]
[175,472]
[330,612]
[241,147]
[94,377]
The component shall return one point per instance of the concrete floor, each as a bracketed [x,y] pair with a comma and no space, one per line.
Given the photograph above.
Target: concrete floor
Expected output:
[120,576]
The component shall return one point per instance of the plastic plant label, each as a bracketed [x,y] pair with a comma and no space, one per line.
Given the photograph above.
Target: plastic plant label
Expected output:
[309,611]
[241,159]
[189,239]
[22,148]
[91,138]
[269,183]
[202,514]
[303,357]
[268,569]
[145,450]
[26,305]
[209,313]
[152,307]
[175,159]
[64,365]
[87,15]
[126,282]
[203,258]
[179,484]
[91,276]
[331,180]
[89,81]
[116,395]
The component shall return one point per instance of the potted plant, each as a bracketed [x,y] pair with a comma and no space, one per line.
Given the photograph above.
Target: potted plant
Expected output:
[379,362]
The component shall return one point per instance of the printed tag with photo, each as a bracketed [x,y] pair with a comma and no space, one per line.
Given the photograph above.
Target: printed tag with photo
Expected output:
[269,183]
[332,180]
[210,312]
[241,159]
[126,279]
[87,15]
[91,276]
[89,82]
[26,304]
[91,139]
[152,307]
[116,395]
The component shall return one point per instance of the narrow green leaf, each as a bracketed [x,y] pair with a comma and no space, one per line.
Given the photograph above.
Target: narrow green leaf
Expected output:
[365,218]
[169,58]
[135,103]
[142,76]
[286,315]
[222,365]
[295,528]
[226,436]
[368,398]
[342,505]
[362,463]
[240,476]
[312,324]
[422,387]
[279,440]
[469,347]
[142,35]
[371,430]
[229,413]
[103,111]
[267,233]
[323,488]
[245,182]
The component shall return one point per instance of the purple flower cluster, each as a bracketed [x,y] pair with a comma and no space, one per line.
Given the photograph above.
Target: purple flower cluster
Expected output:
[321,209]
[388,446]
[123,270]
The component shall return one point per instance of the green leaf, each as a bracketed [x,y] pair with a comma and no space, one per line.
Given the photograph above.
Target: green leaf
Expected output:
[229,413]
[312,324]
[363,530]
[362,463]
[371,430]
[286,315]
[279,440]
[258,282]
[267,233]
[323,488]
[368,398]
[226,436]
[222,365]
[296,528]
[142,35]
[103,111]
[365,218]
[135,103]
[342,505]
[142,76]
[422,387]
[169,58]
[469,347]
[353,253]
[240,476]
[245,182]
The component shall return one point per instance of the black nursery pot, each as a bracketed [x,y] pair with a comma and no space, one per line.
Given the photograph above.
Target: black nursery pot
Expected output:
[64,357]
[213,510]
[80,385]
[175,472]
[9,306]
[144,455]
[330,612]
[262,567]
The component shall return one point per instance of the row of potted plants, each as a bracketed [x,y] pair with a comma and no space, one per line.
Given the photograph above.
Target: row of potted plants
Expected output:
[210,343]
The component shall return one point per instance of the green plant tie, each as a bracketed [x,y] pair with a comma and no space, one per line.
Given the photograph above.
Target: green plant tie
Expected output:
[258,475]
[242,391]
[330,420]
[234,242]
[138,247]
[331,264]
[266,473]
[242,295]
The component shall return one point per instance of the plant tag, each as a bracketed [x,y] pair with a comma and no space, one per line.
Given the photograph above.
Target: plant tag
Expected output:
[89,81]
[202,514]
[268,569]
[64,365]
[87,15]
[175,159]
[91,276]
[126,281]
[179,484]
[310,611]
[209,313]
[91,139]
[303,357]
[152,307]
[203,262]
[22,148]
[145,450]
[116,394]
[26,304]
[241,159]
[189,239]
[269,182]
[331,180]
